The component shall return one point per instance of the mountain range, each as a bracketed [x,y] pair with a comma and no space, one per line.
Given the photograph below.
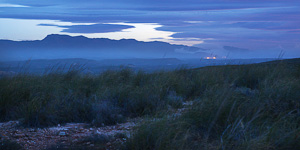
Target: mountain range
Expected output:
[63,46]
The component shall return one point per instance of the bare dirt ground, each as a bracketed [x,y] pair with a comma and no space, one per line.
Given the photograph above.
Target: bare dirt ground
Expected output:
[67,135]
[71,134]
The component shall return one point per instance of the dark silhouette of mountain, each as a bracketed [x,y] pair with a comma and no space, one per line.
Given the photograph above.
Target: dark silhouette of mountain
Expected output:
[63,46]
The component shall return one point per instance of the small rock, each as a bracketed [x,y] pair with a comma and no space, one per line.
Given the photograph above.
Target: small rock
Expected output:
[62,133]
[98,132]
[19,135]
[31,130]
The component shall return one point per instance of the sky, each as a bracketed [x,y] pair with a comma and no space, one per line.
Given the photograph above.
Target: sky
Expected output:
[231,27]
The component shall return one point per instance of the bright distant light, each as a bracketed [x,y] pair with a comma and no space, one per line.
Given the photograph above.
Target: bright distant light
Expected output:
[210,57]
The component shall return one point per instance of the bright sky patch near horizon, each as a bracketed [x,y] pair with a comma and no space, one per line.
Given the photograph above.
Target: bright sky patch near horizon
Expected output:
[18,29]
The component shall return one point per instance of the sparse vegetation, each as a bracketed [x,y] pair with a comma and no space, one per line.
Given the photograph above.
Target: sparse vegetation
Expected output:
[58,97]
[236,107]
[9,145]
[239,107]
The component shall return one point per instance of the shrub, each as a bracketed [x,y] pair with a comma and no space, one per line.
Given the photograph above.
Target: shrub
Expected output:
[105,113]
[9,145]
[59,97]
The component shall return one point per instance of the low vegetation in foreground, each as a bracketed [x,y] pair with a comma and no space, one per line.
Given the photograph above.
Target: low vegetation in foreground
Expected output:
[235,107]
[9,145]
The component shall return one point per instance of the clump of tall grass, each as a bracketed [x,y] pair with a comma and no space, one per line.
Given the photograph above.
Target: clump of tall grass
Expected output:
[238,107]
[9,145]
[60,96]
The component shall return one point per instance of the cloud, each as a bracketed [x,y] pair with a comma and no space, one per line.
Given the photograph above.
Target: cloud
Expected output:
[159,5]
[94,28]
[11,5]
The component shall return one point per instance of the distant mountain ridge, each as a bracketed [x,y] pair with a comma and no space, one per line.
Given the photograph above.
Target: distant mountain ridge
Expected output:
[63,46]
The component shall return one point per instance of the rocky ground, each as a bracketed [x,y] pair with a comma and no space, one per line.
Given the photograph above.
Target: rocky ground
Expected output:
[70,134]
[63,136]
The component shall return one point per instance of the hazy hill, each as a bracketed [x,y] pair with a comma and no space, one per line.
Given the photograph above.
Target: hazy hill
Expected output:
[64,46]
[97,66]
[294,61]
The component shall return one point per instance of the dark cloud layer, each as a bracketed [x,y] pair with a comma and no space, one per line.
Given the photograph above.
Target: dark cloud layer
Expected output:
[94,28]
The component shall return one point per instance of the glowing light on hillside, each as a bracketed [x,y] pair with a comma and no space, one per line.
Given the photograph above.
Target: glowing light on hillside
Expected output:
[210,57]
